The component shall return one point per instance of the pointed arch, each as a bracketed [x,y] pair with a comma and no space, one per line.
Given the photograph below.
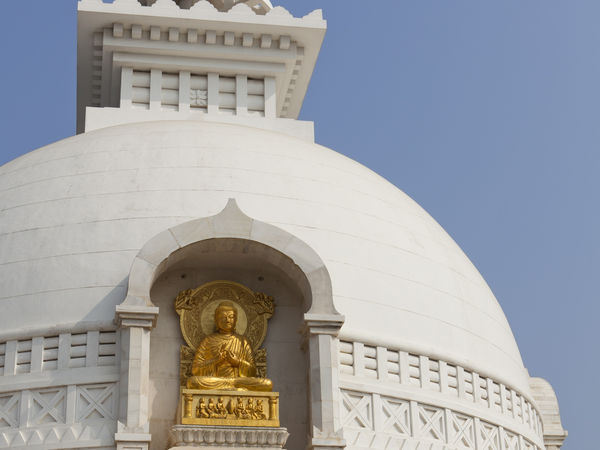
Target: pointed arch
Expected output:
[153,259]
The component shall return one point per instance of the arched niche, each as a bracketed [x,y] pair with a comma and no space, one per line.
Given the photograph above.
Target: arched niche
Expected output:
[262,269]
[232,246]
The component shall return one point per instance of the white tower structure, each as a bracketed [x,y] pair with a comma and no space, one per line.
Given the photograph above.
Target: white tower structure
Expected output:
[190,166]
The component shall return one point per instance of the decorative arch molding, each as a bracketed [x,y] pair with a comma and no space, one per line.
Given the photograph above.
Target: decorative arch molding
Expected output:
[137,315]
[153,259]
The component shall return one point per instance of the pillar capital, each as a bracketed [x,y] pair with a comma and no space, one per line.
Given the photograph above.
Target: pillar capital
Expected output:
[127,316]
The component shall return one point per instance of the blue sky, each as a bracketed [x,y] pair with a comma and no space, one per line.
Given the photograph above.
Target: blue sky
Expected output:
[485,112]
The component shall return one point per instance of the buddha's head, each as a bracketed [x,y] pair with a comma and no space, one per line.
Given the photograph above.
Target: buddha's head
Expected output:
[225,317]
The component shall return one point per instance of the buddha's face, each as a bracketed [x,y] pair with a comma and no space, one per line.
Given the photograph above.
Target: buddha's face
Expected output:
[226,319]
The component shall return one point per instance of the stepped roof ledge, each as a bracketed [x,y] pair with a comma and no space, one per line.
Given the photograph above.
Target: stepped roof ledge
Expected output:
[217,38]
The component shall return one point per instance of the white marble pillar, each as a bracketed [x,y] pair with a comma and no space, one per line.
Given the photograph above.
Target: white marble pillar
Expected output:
[135,324]
[321,332]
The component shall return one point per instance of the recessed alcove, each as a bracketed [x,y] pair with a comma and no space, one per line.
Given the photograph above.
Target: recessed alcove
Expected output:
[262,269]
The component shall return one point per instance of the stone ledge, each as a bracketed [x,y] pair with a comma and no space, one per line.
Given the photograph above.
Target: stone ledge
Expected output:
[228,437]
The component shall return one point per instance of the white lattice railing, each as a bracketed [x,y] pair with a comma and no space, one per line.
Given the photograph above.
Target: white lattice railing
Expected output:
[399,367]
[58,352]
[59,390]
[371,420]
[59,416]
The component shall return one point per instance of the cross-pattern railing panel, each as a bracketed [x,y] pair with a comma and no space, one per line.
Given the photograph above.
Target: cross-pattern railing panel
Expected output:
[95,401]
[47,406]
[371,420]
[9,410]
[393,366]
[396,416]
[461,430]
[59,417]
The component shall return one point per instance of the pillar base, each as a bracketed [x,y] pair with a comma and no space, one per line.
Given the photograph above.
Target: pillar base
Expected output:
[227,437]
[132,441]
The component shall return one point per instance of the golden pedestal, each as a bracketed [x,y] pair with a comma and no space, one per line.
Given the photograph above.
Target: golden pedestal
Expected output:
[229,408]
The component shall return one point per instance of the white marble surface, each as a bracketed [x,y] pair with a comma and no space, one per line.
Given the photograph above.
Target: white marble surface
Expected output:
[545,397]
[94,200]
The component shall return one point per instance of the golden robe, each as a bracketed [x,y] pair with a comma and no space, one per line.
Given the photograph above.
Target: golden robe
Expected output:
[211,371]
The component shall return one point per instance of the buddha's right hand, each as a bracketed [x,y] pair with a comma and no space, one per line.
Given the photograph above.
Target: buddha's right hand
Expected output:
[232,359]
[223,357]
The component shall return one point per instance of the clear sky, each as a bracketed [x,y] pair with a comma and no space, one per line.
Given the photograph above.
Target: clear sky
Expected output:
[485,112]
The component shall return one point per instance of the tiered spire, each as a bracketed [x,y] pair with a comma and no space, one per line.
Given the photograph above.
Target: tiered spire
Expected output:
[234,61]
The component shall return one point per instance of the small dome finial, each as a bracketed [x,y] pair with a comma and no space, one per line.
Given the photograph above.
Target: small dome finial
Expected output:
[258,6]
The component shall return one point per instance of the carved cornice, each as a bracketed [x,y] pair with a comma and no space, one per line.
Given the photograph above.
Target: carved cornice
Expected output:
[322,324]
[555,440]
[200,436]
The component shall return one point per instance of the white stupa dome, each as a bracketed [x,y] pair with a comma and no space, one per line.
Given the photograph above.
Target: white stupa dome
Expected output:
[75,214]
[190,168]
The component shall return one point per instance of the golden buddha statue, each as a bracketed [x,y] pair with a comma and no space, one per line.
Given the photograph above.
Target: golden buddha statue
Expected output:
[224,359]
